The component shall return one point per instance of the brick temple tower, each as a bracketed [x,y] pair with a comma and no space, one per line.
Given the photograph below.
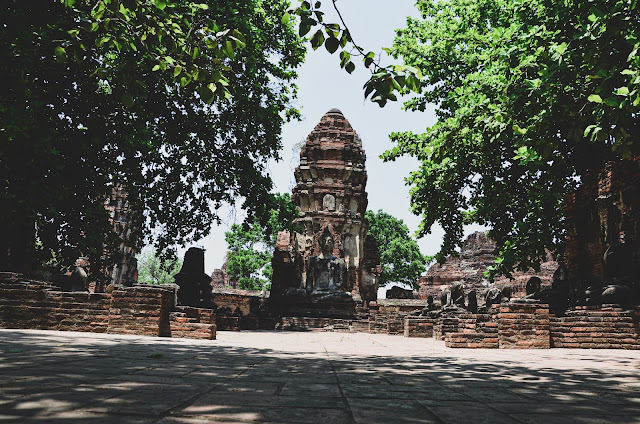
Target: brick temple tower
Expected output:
[330,194]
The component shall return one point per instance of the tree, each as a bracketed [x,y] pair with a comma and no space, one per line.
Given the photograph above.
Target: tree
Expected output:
[531,96]
[400,255]
[181,103]
[154,270]
[248,257]
[250,246]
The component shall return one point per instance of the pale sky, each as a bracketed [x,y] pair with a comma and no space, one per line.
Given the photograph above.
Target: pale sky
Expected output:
[324,85]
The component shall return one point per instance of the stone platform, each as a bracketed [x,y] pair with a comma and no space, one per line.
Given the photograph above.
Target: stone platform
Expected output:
[292,377]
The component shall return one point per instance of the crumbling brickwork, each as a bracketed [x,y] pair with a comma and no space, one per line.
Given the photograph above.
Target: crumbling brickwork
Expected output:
[418,327]
[591,327]
[35,305]
[604,211]
[524,326]
[221,280]
[330,196]
[530,326]
[142,311]
[193,323]
[475,256]
[132,310]
[121,217]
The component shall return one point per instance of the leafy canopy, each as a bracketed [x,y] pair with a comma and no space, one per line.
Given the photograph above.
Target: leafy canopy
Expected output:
[400,255]
[531,95]
[181,103]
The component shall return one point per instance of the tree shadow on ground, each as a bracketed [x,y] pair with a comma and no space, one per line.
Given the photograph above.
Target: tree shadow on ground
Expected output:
[54,377]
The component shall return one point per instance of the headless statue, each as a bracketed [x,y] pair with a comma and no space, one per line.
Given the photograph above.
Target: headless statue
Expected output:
[326,273]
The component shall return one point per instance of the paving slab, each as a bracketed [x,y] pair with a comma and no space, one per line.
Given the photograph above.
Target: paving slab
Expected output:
[306,377]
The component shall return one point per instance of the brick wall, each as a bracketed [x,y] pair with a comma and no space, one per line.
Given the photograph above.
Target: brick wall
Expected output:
[418,327]
[530,326]
[237,301]
[34,305]
[470,331]
[141,310]
[597,328]
[605,210]
[523,326]
[135,310]
[193,323]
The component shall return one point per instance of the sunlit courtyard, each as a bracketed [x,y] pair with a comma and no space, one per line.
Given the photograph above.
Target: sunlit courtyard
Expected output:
[306,377]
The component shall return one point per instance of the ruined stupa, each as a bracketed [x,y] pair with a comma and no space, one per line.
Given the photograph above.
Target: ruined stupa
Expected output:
[331,200]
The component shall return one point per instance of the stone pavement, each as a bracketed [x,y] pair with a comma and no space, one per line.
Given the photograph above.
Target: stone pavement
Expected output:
[49,376]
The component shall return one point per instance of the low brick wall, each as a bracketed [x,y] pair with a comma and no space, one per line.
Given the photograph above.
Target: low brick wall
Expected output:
[193,323]
[240,323]
[141,310]
[474,331]
[530,326]
[445,325]
[471,341]
[608,327]
[136,310]
[387,323]
[33,305]
[418,327]
[524,326]
[238,302]
[396,306]
[317,324]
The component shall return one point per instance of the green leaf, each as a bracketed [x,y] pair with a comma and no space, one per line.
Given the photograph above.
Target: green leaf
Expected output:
[285,18]
[350,67]
[156,68]
[521,131]
[317,40]
[589,129]
[61,54]
[206,94]
[628,72]
[332,44]
[177,70]
[344,58]
[127,99]
[228,49]
[595,98]
[160,4]
[305,27]
[612,101]
[622,91]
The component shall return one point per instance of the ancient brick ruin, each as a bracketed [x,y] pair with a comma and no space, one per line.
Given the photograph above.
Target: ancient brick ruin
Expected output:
[604,213]
[121,218]
[141,310]
[339,294]
[220,279]
[332,201]
[476,255]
